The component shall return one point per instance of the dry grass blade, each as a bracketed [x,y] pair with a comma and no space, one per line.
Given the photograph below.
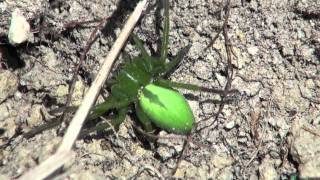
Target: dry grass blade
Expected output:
[89,99]
[48,166]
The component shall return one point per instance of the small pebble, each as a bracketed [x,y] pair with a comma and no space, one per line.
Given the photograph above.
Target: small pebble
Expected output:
[4,112]
[8,84]
[19,29]
[267,170]
[253,50]
[230,125]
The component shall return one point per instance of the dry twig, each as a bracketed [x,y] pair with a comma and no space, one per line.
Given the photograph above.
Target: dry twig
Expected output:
[49,166]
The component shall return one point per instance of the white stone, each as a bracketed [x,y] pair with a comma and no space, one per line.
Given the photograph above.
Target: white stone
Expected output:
[230,125]
[253,50]
[19,29]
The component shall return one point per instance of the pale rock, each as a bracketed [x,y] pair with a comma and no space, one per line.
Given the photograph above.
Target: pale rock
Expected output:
[186,169]
[301,34]
[253,176]
[50,58]
[283,127]
[202,69]
[304,148]
[242,58]
[230,125]
[97,152]
[310,169]
[242,134]
[253,50]
[310,84]
[35,116]
[249,88]
[123,131]
[10,127]
[85,175]
[226,174]
[171,146]
[278,162]
[137,150]
[304,145]
[306,92]
[19,30]
[8,84]
[62,90]
[222,79]
[4,112]
[222,167]
[194,105]
[267,170]
[272,121]
[78,93]
[296,126]
[195,50]
[3,7]
[4,177]
[165,152]
[306,52]
[124,170]
[210,58]
[18,95]
[242,138]
[49,148]
[219,45]
[289,97]
[221,161]
[241,36]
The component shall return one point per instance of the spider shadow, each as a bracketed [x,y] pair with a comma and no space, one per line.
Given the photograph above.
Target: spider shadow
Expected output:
[193,97]
[138,136]
[119,15]
[10,57]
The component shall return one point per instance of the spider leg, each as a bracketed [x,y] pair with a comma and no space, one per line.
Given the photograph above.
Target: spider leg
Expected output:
[143,118]
[175,61]
[97,111]
[138,44]
[164,44]
[171,84]
[110,82]
[115,122]
[145,56]
[110,103]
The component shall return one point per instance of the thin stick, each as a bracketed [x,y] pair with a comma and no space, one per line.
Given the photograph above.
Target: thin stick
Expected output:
[49,166]
[89,99]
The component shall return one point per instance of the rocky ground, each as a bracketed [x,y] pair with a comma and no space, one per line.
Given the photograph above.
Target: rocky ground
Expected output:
[269,130]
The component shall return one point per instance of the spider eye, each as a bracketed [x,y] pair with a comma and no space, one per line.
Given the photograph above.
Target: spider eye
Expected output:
[166,108]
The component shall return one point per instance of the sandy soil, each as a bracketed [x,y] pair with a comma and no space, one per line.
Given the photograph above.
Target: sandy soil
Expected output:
[269,130]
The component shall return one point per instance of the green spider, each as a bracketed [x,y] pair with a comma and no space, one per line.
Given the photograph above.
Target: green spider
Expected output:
[141,82]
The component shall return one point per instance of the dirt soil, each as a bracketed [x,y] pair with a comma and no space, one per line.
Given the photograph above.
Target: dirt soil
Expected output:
[269,130]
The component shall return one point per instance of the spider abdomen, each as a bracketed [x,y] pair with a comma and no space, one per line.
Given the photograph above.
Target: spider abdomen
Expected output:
[166,108]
